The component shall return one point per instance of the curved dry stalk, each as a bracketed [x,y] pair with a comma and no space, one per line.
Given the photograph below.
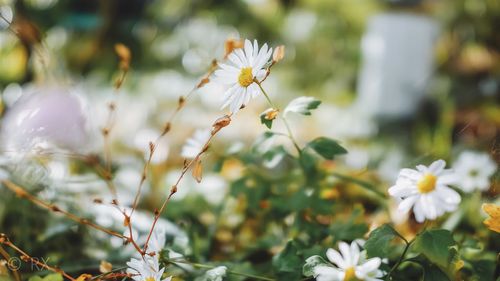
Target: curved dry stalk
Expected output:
[4,240]
[21,192]
[216,127]
[124,55]
[168,125]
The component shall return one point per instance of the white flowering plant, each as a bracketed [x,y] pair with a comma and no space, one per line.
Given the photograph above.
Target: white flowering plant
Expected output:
[213,157]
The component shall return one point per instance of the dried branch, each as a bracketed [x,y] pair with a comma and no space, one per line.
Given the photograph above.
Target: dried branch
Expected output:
[14,271]
[4,240]
[22,193]
[216,127]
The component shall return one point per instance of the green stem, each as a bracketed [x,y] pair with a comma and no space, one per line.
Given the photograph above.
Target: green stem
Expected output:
[205,266]
[289,130]
[265,94]
[401,258]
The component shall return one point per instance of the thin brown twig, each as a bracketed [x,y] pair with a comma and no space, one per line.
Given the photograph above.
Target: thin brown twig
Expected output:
[152,145]
[216,127]
[4,240]
[152,148]
[14,271]
[21,192]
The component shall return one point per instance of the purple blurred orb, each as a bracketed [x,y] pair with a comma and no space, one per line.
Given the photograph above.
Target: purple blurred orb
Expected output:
[46,120]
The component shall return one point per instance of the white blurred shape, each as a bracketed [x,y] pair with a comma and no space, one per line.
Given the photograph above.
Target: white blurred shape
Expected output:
[299,25]
[357,157]
[11,94]
[47,120]
[147,136]
[56,37]
[398,52]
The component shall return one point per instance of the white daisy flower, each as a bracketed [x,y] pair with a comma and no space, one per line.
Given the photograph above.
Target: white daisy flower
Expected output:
[426,190]
[474,170]
[146,268]
[350,264]
[194,145]
[245,66]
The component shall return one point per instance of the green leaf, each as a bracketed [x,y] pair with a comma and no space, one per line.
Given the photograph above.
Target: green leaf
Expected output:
[433,273]
[350,228]
[327,147]
[288,260]
[377,244]
[484,269]
[302,105]
[435,245]
[307,161]
[311,263]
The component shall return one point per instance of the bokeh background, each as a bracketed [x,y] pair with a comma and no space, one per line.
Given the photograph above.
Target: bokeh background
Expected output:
[402,82]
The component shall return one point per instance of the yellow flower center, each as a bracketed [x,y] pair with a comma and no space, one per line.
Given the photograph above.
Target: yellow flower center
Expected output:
[350,274]
[149,279]
[246,77]
[427,183]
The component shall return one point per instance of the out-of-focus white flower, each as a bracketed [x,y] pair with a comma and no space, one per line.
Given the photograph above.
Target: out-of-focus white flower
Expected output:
[357,158]
[146,136]
[426,190]
[299,25]
[388,168]
[6,16]
[46,121]
[157,241]
[246,65]
[474,170]
[216,274]
[350,264]
[56,37]
[174,256]
[195,144]
[213,188]
[345,123]
[146,268]
[302,105]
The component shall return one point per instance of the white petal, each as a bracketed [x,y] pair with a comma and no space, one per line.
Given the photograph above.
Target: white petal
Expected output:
[236,59]
[418,212]
[249,52]
[429,206]
[327,273]
[437,167]
[448,178]
[230,68]
[243,57]
[255,49]
[253,90]
[354,253]
[370,265]
[402,190]
[346,253]
[336,258]
[407,204]
[448,195]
